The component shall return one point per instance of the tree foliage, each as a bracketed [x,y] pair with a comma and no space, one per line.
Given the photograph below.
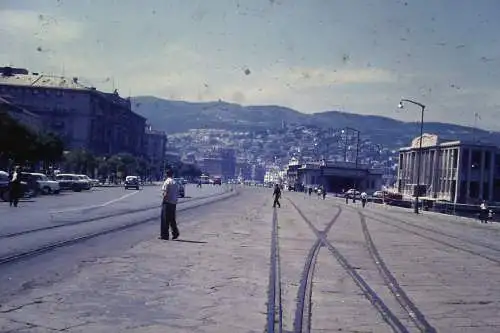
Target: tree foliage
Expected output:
[22,145]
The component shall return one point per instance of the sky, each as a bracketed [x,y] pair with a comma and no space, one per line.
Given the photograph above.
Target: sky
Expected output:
[359,56]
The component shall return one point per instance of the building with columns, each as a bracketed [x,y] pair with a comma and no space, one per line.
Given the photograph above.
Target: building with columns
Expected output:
[455,171]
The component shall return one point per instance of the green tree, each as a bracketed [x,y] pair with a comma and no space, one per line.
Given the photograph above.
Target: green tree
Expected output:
[22,145]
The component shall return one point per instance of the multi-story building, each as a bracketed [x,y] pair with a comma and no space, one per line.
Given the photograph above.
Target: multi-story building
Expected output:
[154,147]
[212,166]
[457,171]
[81,116]
[22,116]
[220,162]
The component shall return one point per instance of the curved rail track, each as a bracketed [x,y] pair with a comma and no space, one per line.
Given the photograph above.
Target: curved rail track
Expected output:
[303,311]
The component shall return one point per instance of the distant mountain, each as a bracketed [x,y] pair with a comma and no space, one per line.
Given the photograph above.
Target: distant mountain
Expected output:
[179,116]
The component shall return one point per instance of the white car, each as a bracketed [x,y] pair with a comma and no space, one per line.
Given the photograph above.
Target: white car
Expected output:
[46,185]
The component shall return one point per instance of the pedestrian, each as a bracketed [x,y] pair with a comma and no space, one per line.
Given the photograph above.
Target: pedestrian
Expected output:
[310,191]
[15,187]
[170,193]
[364,198]
[323,192]
[346,195]
[277,196]
[483,212]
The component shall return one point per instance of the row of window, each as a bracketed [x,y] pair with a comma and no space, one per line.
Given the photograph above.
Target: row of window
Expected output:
[34,91]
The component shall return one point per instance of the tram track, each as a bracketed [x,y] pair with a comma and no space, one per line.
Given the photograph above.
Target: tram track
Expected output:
[369,293]
[50,246]
[433,238]
[98,218]
[415,315]
[439,232]
[303,310]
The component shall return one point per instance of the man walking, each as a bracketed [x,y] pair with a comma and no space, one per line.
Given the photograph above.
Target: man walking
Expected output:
[170,192]
[277,195]
[15,187]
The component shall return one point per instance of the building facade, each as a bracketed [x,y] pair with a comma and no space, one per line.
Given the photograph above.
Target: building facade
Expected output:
[155,144]
[339,176]
[456,171]
[22,116]
[220,162]
[83,117]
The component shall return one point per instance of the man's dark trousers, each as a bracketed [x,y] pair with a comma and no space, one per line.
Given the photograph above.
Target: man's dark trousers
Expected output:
[276,201]
[168,220]
[15,193]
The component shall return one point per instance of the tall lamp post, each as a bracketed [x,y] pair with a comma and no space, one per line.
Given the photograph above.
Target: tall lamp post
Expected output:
[422,107]
[346,131]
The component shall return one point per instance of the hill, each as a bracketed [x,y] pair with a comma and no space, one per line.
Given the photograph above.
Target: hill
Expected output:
[179,116]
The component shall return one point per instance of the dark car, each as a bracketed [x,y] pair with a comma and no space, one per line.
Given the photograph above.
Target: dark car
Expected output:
[132,182]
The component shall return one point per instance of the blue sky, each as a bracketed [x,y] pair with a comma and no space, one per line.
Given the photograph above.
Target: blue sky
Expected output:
[359,56]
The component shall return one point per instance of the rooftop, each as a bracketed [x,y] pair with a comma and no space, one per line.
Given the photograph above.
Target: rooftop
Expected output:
[42,80]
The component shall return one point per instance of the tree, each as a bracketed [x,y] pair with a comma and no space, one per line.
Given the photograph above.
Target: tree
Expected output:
[21,144]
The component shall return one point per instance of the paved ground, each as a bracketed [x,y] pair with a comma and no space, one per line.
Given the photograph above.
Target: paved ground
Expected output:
[68,207]
[216,278]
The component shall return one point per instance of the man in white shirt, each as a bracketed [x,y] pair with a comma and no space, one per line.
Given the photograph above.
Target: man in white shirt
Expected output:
[15,187]
[170,192]
[364,198]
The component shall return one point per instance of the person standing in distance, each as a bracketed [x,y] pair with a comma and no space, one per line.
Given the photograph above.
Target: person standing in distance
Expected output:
[277,196]
[170,192]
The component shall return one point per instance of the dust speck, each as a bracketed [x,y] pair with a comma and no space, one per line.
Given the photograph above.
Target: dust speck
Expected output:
[39,49]
[247,71]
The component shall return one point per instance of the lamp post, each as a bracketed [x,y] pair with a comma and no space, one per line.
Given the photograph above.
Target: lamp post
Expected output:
[346,131]
[422,107]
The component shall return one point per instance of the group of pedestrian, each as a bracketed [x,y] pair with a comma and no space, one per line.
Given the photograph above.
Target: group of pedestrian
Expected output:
[363,197]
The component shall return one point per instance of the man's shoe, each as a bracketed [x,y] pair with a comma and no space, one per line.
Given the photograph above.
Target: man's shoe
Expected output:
[175,236]
[163,238]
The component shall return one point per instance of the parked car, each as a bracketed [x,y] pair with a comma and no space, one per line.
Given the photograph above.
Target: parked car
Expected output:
[29,184]
[181,187]
[70,182]
[45,184]
[4,185]
[87,182]
[132,182]
[353,193]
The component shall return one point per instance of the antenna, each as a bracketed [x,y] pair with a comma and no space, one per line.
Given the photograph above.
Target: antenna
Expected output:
[113,82]
[63,70]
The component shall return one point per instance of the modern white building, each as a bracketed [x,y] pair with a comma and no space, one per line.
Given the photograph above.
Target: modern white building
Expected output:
[455,171]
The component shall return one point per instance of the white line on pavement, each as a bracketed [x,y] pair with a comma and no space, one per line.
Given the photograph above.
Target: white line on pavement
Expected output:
[94,206]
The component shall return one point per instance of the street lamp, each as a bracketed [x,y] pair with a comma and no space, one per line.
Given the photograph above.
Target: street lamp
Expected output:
[422,107]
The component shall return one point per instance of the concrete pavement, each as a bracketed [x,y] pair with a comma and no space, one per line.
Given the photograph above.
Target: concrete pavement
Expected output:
[69,207]
[215,278]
